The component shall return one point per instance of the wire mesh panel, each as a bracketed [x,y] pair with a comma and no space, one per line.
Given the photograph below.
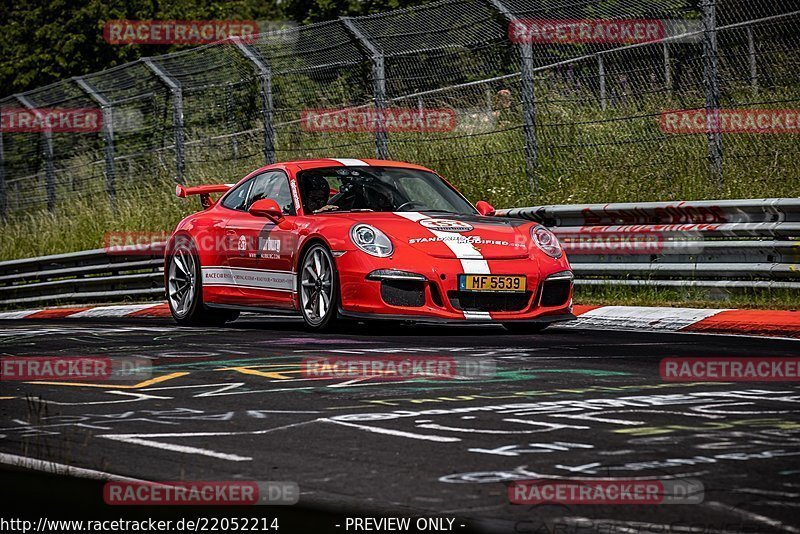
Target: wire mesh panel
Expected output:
[141,123]
[513,100]
[454,55]
[760,77]
[22,163]
[316,70]
[220,106]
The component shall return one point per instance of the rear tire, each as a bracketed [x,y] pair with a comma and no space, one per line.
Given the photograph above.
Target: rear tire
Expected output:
[525,328]
[318,288]
[185,288]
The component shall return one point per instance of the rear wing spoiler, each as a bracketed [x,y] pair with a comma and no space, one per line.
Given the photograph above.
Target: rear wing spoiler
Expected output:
[203,190]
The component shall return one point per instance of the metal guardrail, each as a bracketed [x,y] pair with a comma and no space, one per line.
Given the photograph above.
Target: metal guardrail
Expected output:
[100,275]
[724,244]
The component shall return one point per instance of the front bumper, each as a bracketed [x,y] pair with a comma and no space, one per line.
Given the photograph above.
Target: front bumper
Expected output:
[427,291]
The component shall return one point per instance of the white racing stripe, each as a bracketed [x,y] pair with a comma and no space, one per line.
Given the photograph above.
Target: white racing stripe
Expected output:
[351,162]
[472,261]
[471,258]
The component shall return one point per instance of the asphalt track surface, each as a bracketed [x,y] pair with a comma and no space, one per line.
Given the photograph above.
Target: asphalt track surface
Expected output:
[232,404]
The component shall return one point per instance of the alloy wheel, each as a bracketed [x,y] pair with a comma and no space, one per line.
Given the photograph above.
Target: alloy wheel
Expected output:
[182,281]
[316,286]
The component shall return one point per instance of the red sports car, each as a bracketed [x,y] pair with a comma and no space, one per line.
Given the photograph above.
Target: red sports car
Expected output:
[368,239]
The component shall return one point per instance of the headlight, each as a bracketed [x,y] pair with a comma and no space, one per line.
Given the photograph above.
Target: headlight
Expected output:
[371,240]
[546,241]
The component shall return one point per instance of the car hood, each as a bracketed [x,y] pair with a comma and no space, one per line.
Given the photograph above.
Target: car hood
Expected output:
[452,236]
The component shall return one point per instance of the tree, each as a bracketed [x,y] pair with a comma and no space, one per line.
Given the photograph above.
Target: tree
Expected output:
[43,41]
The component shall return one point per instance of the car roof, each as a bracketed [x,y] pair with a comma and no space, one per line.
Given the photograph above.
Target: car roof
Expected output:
[306,164]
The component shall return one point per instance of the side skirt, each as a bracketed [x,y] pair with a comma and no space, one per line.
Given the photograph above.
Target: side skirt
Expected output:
[254,309]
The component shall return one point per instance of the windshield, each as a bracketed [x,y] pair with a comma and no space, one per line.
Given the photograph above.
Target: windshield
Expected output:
[377,189]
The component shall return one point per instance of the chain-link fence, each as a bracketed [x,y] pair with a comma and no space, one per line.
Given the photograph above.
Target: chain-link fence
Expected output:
[540,93]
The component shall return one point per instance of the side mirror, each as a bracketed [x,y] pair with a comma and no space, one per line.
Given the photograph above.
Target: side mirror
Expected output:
[484,208]
[266,207]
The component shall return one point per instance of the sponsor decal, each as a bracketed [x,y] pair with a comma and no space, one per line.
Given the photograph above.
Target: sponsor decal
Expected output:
[371,120]
[295,193]
[734,121]
[614,492]
[269,249]
[446,225]
[249,278]
[470,239]
[66,120]
[241,245]
[271,245]
[730,369]
[204,493]
[127,32]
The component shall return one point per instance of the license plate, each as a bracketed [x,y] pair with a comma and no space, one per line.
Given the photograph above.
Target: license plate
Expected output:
[492,282]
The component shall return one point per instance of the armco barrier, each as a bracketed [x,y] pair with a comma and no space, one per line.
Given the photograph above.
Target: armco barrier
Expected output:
[727,244]
[87,276]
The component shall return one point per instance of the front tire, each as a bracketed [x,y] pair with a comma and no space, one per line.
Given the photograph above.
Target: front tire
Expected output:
[185,289]
[318,288]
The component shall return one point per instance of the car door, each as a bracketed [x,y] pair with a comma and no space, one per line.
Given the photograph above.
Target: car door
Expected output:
[218,283]
[261,253]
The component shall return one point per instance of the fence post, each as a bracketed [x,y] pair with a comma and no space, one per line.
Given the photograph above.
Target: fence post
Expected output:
[529,114]
[751,49]
[108,138]
[3,194]
[711,86]
[528,95]
[49,170]
[177,113]
[265,76]
[667,67]
[378,85]
[601,72]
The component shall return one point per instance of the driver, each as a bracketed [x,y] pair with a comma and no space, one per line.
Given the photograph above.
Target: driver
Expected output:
[381,200]
[317,191]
